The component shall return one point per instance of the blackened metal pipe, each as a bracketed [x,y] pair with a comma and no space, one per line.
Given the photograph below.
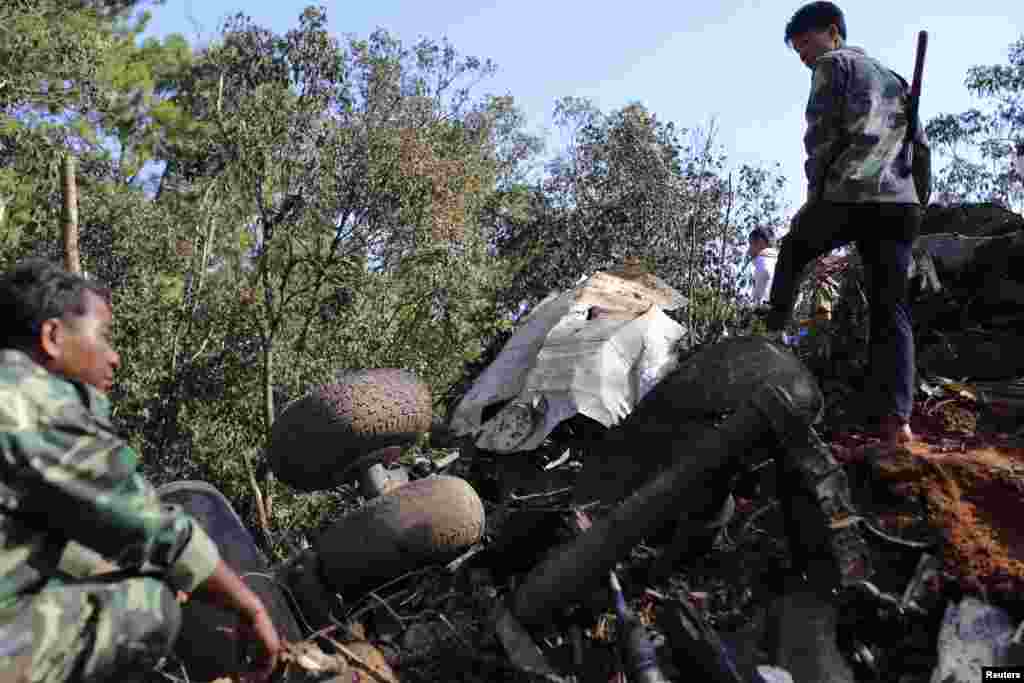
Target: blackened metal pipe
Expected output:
[687,489]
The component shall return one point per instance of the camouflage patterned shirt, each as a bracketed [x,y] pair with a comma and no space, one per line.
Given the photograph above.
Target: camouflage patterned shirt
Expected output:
[856,123]
[65,475]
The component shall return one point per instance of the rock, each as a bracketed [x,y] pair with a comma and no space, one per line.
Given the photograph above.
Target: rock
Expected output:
[996,273]
[974,634]
[966,269]
[977,354]
[951,253]
[974,220]
[983,273]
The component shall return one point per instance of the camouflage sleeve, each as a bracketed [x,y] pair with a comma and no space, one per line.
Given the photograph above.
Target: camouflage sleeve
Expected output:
[82,481]
[824,123]
[81,562]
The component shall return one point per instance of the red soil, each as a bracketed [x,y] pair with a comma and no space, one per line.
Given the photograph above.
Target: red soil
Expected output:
[974,487]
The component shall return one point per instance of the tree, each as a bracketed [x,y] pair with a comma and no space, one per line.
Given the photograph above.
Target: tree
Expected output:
[74,87]
[625,184]
[332,200]
[615,190]
[49,59]
[345,161]
[982,144]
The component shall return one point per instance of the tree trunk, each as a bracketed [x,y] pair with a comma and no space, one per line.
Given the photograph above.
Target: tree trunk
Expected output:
[72,260]
[264,502]
[268,383]
[720,306]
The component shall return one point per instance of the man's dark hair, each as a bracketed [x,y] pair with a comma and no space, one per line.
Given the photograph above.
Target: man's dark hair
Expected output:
[35,291]
[815,16]
[761,233]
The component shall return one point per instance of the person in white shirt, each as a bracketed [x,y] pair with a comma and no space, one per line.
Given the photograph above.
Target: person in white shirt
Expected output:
[762,252]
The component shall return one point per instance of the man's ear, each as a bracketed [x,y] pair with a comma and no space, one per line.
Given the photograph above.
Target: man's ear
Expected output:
[51,337]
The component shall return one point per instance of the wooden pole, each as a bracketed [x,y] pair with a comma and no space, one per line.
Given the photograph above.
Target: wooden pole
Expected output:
[72,260]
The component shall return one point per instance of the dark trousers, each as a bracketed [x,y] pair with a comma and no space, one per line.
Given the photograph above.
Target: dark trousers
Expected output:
[884,235]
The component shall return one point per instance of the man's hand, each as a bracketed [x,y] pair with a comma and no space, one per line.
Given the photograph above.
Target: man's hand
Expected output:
[259,628]
[226,589]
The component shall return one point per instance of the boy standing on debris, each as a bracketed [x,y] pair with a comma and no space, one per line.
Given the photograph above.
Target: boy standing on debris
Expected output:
[65,475]
[857,118]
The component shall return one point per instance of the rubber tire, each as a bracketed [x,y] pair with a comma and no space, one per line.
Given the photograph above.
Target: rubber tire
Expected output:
[716,379]
[719,379]
[721,376]
[206,652]
[325,438]
[427,521]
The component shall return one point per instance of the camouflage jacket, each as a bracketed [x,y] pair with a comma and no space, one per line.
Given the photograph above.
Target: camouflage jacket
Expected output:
[856,123]
[66,476]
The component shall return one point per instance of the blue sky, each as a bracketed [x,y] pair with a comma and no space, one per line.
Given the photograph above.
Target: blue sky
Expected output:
[685,61]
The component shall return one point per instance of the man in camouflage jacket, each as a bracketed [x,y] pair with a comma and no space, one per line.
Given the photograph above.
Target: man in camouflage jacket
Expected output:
[69,484]
[857,117]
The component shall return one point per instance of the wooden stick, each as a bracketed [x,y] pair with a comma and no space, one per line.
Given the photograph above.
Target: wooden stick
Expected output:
[72,258]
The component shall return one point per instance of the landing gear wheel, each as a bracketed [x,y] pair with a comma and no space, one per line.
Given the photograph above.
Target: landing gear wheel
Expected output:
[325,438]
[427,521]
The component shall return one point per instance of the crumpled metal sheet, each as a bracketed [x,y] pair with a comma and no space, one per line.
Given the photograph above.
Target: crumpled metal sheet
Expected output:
[973,635]
[594,350]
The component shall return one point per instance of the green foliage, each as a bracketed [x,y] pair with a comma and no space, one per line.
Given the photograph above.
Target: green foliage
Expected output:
[628,185]
[50,54]
[328,199]
[327,204]
[981,144]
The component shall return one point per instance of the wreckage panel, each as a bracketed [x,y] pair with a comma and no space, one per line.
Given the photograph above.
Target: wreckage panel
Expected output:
[504,378]
[597,368]
[593,350]
[629,290]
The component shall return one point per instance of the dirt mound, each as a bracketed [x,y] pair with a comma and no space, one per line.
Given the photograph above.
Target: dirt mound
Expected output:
[973,492]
